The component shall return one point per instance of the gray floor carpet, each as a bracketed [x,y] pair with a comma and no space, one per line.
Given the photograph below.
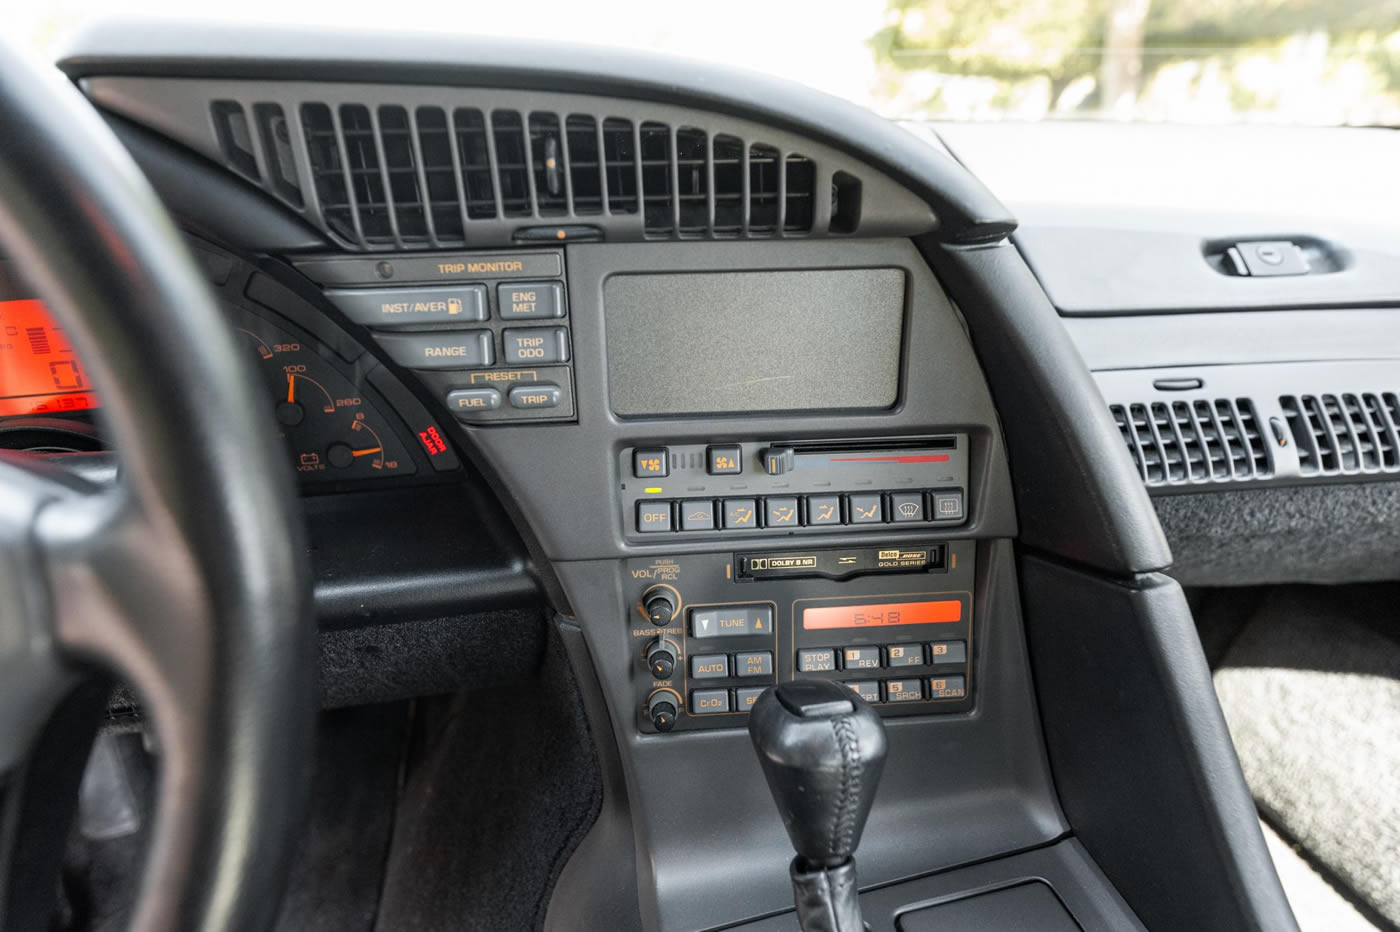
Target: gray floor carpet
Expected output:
[1310,687]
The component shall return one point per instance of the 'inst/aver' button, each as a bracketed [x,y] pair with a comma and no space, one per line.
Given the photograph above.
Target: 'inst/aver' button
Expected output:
[396,307]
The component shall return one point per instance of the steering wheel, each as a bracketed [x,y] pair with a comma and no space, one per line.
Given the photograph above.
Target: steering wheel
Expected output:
[186,578]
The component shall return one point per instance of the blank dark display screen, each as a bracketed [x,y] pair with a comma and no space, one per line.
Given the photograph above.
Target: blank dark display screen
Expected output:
[734,342]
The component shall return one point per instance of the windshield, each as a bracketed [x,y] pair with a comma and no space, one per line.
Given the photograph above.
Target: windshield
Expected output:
[1317,62]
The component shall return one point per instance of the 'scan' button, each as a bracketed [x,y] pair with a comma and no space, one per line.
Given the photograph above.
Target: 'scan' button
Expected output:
[530,300]
[535,396]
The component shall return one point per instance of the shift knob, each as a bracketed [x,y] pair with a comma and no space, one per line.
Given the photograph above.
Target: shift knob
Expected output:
[822,749]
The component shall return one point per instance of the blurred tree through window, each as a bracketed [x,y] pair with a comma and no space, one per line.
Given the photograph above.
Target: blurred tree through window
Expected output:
[1292,61]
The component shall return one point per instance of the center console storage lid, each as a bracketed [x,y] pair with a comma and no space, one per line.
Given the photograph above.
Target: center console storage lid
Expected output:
[1030,907]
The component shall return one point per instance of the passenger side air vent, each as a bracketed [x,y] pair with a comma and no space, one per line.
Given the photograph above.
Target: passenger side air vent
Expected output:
[1344,433]
[394,176]
[1197,441]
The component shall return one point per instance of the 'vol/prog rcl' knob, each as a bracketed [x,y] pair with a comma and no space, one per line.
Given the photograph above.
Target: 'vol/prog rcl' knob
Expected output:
[659,602]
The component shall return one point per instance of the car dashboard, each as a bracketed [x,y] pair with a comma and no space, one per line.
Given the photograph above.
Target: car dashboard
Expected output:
[734,389]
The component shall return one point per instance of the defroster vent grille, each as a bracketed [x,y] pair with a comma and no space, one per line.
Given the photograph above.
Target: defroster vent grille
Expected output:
[1344,433]
[1197,441]
[390,176]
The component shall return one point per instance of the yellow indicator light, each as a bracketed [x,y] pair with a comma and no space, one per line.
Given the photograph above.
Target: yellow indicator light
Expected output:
[654,490]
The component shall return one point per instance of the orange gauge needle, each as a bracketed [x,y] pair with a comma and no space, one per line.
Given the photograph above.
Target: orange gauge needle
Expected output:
[291,389]
[367,452]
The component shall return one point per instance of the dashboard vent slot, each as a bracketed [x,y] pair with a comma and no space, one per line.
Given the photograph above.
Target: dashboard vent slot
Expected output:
[329,178]
[277,152]
[1344,433]
[440,174]
[585,164]
[798,194]
[729,186]
[621,170]
[474,152]
[764,199]
[547,162]
[402,164]
[367,177]
[235,139]
[1198,441]
[512,163]
[381,174]
[656,179]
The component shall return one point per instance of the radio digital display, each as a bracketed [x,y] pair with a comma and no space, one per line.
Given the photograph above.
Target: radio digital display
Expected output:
[883,614]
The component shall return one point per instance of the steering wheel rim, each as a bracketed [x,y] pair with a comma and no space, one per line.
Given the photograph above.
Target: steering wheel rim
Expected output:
[188,578]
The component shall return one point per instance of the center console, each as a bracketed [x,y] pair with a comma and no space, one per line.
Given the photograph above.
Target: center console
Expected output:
[720,516]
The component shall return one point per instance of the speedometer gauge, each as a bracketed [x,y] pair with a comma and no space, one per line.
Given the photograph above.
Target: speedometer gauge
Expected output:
[331,430]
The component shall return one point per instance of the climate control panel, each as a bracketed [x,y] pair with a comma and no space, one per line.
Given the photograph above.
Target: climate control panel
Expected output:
[701,490]
[710,632]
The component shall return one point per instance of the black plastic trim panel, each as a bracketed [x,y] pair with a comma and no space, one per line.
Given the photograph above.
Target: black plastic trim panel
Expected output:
[1077,493]
[1065,867]
[411,554]
[1140,752]
[965,210]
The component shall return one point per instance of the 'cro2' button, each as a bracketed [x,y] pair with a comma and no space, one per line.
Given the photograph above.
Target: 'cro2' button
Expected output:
[535,396]
[536,345]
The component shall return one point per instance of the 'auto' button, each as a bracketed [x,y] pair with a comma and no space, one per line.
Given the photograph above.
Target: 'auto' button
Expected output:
[535,396]
[461,349]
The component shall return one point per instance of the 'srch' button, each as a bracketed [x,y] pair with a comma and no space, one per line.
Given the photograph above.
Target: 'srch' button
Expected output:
[536,345]
[398,307]
[731,621]
[460,349]
[530,300]
[535,396]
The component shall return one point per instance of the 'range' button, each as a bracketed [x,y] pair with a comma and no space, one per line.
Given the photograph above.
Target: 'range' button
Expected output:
[530,300]
[538,344]
[462,349]
[396,307]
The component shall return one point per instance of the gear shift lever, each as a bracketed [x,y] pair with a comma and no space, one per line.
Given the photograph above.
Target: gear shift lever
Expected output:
[822,749]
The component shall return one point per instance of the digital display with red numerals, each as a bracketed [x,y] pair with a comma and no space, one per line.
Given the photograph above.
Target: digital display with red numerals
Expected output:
[39,372]
[882,614]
